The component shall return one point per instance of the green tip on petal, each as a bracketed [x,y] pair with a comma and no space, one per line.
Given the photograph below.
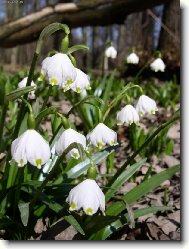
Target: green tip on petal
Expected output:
[53,82]
[89,87]
[130,122]
[89,211]
[76,155]
[64,88]
[100,145]
[38,163]
[69,82]
[137,123]
[21,162]
[72,206]
[119,122]
[78,89]
[152,111]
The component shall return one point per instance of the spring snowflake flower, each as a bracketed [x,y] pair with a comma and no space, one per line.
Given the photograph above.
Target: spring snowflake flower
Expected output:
[132,59]
[88,196]
[157,65]
[146,105]
[68,137]
[22,84]
[81,82]
[111,52]
[128,115]
[30,147]
[102,135]
[59,70]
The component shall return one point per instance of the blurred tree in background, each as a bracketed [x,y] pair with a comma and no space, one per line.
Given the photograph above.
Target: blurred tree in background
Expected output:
[150,25]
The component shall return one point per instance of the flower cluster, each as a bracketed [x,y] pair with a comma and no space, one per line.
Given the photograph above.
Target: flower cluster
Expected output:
[32,148]
[60,71]
[129,114]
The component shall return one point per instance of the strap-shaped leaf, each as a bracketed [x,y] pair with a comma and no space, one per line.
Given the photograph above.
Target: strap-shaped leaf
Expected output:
[126,175]
[16,94]
[44,113]
[24,212]
[108,230]
[80,168]
[139,191]
[72,221]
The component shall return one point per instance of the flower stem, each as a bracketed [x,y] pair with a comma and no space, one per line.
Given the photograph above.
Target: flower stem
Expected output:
[46,98]
[2,122]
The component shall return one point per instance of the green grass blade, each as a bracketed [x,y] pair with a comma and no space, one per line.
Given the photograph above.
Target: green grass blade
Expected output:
[139,191]
[123,178]
[72,221]
[108,230]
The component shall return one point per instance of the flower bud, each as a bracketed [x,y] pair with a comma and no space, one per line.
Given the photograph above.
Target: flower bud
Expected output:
[91,172]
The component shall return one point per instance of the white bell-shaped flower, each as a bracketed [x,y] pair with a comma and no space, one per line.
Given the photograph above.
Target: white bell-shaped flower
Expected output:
[87,196]
[146,105]
[23,83]
[81,82]
[132,59]
[68,137]
[59,70]
[157,65]
[111,52]
[128,115]
[30,147]
[102,135]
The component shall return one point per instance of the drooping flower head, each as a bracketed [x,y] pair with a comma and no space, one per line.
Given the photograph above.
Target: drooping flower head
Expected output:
[146,105]
[23,83]
[128,115]
[81,82]
[87,196]
[132,58]
[68,137]
[30,147]
[102,135]
[157,65]
[111,52]
[59,71]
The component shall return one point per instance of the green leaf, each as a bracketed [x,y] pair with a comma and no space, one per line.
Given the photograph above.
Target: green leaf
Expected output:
[80,168]
[24,212]
[123,178]
[72,221]
[139,191]
[19,92]
[108,230]
[77,47]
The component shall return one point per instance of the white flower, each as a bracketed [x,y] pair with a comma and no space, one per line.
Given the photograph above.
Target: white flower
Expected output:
[22,84]
[88,196]
[111,52]
[81,82]
[102,135]
[128,115]
[132,59]
[158,65]
[30,147]
[146,105]
[59,70]
[68,137]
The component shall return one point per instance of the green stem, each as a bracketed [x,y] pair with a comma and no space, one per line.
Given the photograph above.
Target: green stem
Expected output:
[117,99]
[50,175]
[2,122]
[146,143]
[46,98]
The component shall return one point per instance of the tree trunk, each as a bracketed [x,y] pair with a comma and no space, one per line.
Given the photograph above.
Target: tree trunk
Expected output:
[169,42]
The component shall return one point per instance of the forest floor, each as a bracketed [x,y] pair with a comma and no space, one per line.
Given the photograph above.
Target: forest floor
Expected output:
[159,226]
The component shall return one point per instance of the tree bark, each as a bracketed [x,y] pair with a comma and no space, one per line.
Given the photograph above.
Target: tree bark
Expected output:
[169,42]
[83,13]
